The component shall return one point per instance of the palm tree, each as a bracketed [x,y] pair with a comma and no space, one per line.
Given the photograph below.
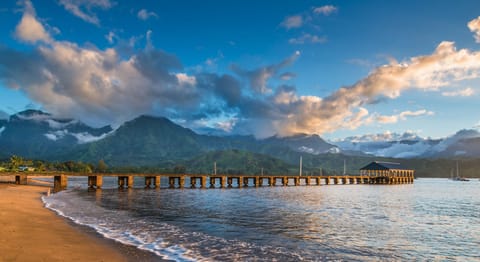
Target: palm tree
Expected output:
[15,162]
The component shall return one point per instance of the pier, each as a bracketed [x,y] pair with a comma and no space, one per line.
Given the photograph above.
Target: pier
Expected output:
[202,181]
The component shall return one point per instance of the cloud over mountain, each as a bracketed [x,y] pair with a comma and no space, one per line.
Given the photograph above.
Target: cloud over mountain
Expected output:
[105,86]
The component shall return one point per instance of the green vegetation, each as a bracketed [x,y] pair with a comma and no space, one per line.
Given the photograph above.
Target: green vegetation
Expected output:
[248,163]
[18,164]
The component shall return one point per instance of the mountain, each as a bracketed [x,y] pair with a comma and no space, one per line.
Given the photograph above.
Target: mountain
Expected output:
[465,143]
[145,140]
[311,144]
[237,162]
[35,134]
[149,141]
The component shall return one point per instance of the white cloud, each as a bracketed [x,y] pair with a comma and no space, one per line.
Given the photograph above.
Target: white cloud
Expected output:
[185,79]
[145,15]
[111,36]
[83,138]
[403,116]
[287,76]
[95,85]
[294,21]
[226,125]
[308,38]
[83,8]
[30,29]
[325,10]
[56,135]
[474,26]
[59,125]
[386,136]
[464,92]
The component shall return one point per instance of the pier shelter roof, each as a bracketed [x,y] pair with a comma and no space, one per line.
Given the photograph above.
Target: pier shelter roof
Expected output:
[377,165]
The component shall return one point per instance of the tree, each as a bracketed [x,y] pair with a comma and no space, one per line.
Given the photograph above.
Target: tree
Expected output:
[101,166]
[15,162]
[39,165]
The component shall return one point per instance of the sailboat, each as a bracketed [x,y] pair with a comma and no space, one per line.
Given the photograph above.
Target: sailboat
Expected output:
[458,177]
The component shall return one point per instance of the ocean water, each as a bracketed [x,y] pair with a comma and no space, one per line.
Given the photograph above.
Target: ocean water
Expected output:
[432,219]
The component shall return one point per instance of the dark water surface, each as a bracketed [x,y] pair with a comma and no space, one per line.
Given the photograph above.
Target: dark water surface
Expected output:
[432,219]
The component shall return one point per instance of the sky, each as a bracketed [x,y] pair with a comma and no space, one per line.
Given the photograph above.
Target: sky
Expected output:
[332,68]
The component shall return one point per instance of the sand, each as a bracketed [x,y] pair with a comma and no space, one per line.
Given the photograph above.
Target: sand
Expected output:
[30,232]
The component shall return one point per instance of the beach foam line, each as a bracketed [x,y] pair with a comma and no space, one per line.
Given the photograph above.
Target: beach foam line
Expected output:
[106,229]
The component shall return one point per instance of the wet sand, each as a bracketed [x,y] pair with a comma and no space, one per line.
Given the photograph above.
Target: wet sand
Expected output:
[30,232]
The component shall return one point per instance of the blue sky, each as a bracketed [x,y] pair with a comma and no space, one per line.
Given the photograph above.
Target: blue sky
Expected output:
[334,68]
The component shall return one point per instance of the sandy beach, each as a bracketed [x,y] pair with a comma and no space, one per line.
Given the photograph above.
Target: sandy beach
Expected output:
[30,232]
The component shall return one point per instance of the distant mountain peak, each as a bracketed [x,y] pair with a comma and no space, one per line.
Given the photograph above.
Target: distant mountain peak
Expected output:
[32,112]
[150,118]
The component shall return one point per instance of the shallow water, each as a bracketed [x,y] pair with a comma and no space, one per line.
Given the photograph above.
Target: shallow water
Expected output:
[432,219]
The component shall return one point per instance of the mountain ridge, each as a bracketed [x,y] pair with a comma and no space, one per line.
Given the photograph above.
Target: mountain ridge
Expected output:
[151,141]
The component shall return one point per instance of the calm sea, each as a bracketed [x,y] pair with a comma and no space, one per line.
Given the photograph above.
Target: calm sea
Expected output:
[432,219]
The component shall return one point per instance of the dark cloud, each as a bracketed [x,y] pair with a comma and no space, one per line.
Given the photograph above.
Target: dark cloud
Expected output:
[102,87]
[259,77]
[156,65]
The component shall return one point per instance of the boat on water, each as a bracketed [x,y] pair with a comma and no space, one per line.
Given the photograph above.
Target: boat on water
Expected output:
[458,177]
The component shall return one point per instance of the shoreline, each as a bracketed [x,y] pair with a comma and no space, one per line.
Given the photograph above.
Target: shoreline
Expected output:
[32,232]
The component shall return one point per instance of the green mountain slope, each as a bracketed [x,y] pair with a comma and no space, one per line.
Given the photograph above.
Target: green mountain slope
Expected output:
[237,162]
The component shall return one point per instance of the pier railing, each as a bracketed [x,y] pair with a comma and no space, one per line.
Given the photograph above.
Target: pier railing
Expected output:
[95,180]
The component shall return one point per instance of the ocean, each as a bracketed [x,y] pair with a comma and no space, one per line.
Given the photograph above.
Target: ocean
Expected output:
[432,219]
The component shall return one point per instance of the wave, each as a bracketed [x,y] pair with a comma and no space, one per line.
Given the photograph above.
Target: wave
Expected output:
[163,239]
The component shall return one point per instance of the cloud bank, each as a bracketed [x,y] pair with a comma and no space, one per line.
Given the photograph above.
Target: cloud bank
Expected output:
[101,87]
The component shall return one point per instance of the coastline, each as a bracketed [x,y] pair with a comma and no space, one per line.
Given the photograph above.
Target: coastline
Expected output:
[31,232]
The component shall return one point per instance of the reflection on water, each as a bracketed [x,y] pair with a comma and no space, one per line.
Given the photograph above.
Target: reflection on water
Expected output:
[433,219]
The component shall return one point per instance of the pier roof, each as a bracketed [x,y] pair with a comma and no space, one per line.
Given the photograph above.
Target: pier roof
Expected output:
[377,165]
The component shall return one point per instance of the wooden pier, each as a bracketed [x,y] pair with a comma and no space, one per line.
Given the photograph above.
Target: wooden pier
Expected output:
[180,181]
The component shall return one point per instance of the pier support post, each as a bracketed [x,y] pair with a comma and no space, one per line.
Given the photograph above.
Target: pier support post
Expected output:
[240,181]
[257,181]
[229,182]
[245,181]
[307,180]
[21,179]
[121,181]
[317,181]
[203,182]
[271,181]
[296,181]
[95,181]
[171,182]
[193,182]
[148,181]
[181,182]
[222,181]
[59,183]
[157,181]
[285,181]
[212,182]
[327,180]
